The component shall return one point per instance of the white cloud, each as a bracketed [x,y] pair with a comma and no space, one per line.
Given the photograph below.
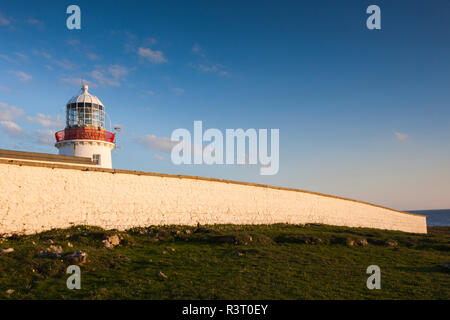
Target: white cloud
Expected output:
[8,112]
[401,136]
[73,42]
[42,53]
[213,68]
[11,128]
[150,40]
[4,21]
[64,63]
[153,142]
[196,48]
[47,120]
[158,157]
[93,56]
[118,71]
[154,56]
[19,57]
[178,91]
[46,137]
[5,89]
[24,77]
[35,22]
[111,76]
[7,58]
[77,82]
[102,78]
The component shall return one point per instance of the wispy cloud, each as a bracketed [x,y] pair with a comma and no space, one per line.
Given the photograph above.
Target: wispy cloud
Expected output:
[4,21]
[5,89]
[196,49]
[93,56]
[401,136]
[15,58]
[154,56]
[149,41]
[24,77]
[64,63]
[47,120]
[36,23]
[153,142]
[42,53]
[178,91]
[9,112]
[77,82]
[45,137]
[11,128]
[158,157]
[73,42]
[205,66]
[110,76]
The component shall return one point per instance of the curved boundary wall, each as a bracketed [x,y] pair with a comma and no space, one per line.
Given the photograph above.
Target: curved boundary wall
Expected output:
[37,196]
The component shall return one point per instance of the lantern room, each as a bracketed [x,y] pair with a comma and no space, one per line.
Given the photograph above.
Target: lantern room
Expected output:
[85,110]
[85,134]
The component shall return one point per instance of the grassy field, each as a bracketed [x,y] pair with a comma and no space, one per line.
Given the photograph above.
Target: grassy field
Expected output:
[229,262]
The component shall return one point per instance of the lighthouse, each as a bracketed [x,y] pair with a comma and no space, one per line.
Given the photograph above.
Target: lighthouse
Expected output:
[85,134]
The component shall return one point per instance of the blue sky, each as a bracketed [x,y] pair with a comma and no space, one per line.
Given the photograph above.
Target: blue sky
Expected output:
[362,114]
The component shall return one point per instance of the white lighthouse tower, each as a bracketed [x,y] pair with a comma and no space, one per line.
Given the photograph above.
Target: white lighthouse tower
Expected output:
[85,134]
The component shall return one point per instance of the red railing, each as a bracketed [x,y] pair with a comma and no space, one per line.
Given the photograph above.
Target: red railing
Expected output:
[84,134]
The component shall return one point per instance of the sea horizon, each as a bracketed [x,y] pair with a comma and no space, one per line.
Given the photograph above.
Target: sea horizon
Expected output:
[436,217]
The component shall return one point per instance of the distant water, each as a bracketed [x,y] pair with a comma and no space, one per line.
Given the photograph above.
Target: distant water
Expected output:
[435,217]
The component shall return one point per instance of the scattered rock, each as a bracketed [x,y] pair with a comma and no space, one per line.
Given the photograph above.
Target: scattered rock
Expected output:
[162,275]
[67,236]
[187,231]
[350,242]
[224,239]
[56,249]
[6,250]
[69,245]
[362,242]
[392,243]
[111,241]
[124,258]
[162,234]
[239,254]
[164,252]
[204,230]
[78,257]
[51,252]
[10,291]
[49,241]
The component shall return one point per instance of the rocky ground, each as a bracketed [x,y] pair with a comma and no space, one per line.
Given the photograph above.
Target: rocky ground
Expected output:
[226,262]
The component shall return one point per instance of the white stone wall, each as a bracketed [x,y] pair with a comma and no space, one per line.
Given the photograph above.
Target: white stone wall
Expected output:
[35,198]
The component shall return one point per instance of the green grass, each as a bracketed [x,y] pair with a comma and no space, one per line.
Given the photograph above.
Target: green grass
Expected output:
[220,262]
